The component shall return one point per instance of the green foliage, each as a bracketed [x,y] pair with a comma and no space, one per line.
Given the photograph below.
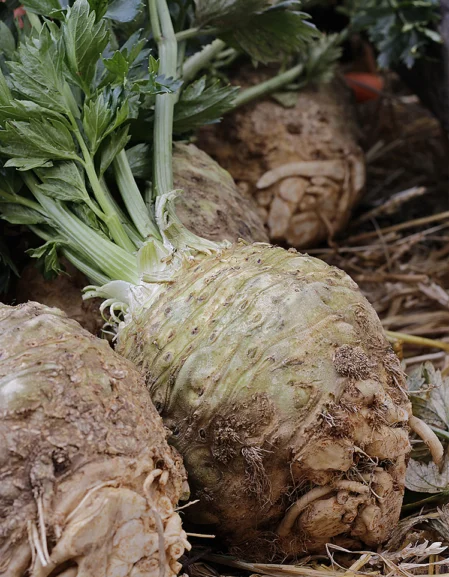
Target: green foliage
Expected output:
[84,41]
[7,41]
[272,35]
[201,104]
[319,61]
[18,214]
[118,10]
[47,259]
[226,12]
[64,181]
[7,267]
[138,156]
[401,30]
[65,105]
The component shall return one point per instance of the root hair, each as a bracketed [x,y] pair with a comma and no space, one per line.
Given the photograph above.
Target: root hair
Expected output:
[255,474]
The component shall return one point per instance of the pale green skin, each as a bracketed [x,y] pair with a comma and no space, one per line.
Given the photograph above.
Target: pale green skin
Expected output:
[79,434]
[239,357]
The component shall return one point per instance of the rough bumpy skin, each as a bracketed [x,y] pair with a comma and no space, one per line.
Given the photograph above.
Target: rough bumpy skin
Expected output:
[63,292]
[211,205]
[304,204]
[274,375]
[88,483]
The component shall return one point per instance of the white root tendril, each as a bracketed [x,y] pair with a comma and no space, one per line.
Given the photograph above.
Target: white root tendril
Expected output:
[297,508]
[87,495]
[353,486]
[334,169]
[292,514]
[37,544]
[423,431]
[31,542]
[189,504]
[40,509]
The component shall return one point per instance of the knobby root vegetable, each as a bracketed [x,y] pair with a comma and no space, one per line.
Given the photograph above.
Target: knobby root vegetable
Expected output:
[64,292]
[274,375]
[210,205]
[302,164]
[88,482]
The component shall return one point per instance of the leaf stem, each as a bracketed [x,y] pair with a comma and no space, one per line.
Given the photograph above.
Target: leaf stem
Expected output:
[268,86]
[196,31]
[113,260]
[81,263]
[163,122]
[16,199]
[199,60]
[132,197]
[111,218]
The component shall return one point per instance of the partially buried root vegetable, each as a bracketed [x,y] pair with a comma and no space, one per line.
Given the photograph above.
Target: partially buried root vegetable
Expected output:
[270,368]
[88,482]
[302,164]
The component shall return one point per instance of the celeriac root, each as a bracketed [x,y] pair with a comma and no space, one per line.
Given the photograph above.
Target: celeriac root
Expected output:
[79,445]
[271,368]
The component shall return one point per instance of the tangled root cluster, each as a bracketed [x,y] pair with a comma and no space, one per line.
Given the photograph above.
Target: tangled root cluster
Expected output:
[302,164]
[88,482]
[283,396]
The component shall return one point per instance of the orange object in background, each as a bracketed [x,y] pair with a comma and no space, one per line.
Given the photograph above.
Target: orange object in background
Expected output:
[18,13]
[365,86]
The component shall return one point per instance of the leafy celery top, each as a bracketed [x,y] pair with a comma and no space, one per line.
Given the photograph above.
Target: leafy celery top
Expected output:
[70,98]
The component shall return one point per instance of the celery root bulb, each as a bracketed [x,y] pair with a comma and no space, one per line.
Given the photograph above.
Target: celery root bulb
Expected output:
[302,164]
[88,481]
[283,396]
[211,205]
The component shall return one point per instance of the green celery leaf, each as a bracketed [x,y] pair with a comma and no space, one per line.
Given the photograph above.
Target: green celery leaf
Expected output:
[63,182]
[47,258]
[99,7]
[28,163]
[6,267]
[84,42]
[7,42]
[37,139]
[112,146]
[401,31]
[269,36]
[37,74]
[51,8]
[10,182]
[124,10]
[18,214]
[84,213]
[96,120]
[128,63]
[200,104]
[139,158]
[226,12]
[118,66]
[5,92]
